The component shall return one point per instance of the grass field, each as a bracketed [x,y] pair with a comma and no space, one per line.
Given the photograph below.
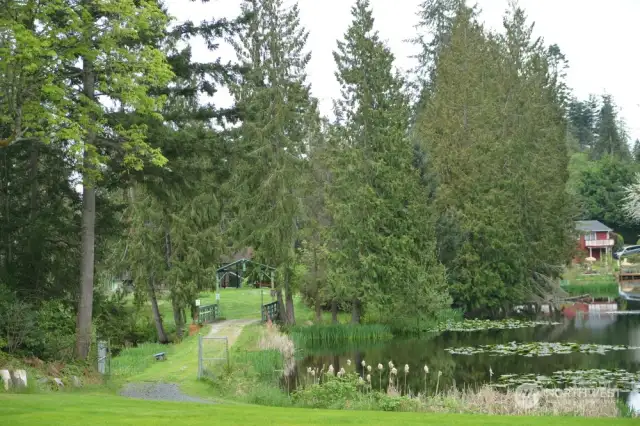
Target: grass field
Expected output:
[71,409]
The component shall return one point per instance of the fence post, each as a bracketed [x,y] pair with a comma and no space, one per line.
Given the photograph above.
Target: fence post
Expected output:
[199,356]
[226,340]
[102,357]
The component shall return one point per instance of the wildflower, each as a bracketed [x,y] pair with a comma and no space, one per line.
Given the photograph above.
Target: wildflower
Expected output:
[330,370]
[309,370]
[394,371]
[363,363]
[380,367]
[390,364]
[439,373]
[426,369]
[360,380]
[342,372]
[406,369]
[313,372]
[369,368]
[348,362]
[369,378]
[490,372]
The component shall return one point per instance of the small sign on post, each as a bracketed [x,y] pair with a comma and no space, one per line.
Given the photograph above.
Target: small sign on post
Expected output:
[217,296]
[197,302]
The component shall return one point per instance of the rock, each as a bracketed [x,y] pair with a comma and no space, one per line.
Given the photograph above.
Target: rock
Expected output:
[43,380]
[6,379]
[76,382]
[20,378]
[58,382]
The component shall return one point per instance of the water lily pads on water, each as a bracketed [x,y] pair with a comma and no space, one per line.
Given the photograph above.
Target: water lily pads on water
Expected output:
[479,325]
[539,349]
[595,378]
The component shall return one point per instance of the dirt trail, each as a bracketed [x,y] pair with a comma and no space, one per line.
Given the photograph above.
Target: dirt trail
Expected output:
[230,329]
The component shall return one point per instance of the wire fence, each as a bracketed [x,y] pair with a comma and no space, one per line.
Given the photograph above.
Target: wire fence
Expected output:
[212,352]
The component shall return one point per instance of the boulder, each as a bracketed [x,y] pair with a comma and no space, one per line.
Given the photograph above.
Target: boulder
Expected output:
[19,378]
[58,382]
[6,379]
[75,380]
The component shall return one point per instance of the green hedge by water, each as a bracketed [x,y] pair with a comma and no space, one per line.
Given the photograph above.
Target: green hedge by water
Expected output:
[595,289]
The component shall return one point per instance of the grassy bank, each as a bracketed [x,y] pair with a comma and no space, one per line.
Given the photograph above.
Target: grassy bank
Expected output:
[79,409]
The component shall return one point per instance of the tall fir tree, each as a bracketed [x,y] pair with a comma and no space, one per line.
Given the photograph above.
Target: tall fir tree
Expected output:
[386,264]
[277,113]
[610,137]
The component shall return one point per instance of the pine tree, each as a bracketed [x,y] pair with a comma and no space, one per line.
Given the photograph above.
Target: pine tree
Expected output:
[610,139]
[636,151]
[386,263]
[276,111]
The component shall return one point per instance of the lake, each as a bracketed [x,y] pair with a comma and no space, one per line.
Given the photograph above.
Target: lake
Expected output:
[569,353]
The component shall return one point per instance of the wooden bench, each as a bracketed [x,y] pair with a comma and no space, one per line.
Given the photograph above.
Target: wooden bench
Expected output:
[160,356]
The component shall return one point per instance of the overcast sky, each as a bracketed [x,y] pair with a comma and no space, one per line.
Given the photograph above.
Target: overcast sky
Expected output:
[598,37]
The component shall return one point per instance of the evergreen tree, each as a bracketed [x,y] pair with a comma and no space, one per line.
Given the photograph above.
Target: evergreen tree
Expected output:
[277,112]
[636,151]
[495,132]
[386,259]
[582,118]
[610,139]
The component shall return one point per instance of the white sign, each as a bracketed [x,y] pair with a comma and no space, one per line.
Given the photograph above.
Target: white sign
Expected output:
[217,296]
[197,302]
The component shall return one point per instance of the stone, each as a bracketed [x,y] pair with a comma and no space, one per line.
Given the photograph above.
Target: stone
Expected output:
[76,382]
[20,378]
[58,382]
[6,379]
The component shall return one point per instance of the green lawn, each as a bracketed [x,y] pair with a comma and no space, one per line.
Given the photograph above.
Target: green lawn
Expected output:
[70,409]
[244,303]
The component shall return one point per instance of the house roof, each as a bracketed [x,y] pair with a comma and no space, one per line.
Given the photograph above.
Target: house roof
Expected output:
[592,226]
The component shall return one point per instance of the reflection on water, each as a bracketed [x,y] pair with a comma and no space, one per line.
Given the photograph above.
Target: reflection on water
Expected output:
[473,370]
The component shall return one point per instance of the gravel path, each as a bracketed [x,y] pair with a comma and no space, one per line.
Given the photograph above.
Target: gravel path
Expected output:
[159,392]
[230,329]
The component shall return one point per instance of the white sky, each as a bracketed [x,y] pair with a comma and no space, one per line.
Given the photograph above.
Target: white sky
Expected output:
[597,37]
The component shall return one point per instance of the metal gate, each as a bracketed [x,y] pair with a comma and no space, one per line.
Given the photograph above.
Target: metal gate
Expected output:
[212,352]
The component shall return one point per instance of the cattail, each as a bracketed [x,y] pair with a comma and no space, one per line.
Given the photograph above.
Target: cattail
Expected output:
[369,368]
[380,367]
[426,369]
[406,369]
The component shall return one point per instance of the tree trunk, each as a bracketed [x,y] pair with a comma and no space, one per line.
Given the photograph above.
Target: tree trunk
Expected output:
[177,318]
[162,335]
[33,210]
[281,312]
[318,309]
[334,311]
[288,294]
[85,308]
[355,311]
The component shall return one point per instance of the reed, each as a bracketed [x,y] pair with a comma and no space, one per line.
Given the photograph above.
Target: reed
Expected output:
[339,334]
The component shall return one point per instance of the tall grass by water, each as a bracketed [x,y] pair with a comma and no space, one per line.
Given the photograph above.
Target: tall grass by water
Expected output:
[594,288]
[338,334]
[133,361]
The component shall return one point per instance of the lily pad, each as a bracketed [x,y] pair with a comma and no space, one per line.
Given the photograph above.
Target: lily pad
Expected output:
[479,325]
[595,378]
[540,349]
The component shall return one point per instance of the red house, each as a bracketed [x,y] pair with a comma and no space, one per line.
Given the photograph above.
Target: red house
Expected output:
[596,238]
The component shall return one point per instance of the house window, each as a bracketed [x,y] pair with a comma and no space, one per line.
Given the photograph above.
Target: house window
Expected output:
[590,237]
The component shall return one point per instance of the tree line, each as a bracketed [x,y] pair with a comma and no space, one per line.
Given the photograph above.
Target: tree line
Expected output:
[454,185]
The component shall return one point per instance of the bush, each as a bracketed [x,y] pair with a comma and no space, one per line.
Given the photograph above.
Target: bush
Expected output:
[121,324]
[346,392]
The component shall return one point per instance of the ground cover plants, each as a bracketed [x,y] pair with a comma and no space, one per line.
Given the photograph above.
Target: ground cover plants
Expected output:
[479,325]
